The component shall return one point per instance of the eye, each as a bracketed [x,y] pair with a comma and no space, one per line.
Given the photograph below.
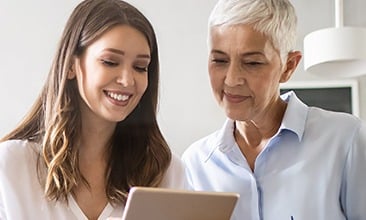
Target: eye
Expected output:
[253,63]
[218,61]
[108,62]
[141,69]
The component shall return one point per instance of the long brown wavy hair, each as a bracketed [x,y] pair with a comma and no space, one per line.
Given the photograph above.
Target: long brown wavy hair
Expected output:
[138,153]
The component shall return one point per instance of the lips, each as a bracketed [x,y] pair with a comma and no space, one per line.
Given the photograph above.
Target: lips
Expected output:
[235,98]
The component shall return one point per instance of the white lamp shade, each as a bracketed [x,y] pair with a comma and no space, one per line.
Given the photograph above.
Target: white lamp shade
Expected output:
[336,52]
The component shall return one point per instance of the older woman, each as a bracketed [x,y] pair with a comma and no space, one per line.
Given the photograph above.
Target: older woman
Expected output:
[287,160]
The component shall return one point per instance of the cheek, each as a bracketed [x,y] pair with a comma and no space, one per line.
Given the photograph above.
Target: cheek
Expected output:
[142,83]
[81,82]
[87,74]
[215,85]
[88,82]
[273,84]
[216,79]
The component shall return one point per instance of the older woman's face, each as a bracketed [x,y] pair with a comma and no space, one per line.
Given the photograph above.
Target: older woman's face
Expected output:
[245,72]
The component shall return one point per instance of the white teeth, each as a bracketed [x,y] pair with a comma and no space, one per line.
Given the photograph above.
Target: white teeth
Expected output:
[118,97]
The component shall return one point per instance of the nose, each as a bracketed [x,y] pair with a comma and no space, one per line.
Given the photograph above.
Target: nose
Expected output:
[234,75]
[126,77]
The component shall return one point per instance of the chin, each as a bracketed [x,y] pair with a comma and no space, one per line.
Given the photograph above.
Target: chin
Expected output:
[117,119]
[236,117]
[121,118]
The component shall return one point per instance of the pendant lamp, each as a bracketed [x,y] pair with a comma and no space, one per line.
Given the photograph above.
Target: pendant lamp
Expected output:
[338,52]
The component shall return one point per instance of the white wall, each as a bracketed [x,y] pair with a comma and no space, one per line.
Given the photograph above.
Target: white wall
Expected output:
[30,31]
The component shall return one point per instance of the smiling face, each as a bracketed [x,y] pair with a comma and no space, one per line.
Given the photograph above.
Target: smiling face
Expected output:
[112,74]
[245,72]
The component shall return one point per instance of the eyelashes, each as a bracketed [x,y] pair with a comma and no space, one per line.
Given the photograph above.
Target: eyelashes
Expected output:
[141,69]
[244,63]
[138,68]
[109,62]
[218,60]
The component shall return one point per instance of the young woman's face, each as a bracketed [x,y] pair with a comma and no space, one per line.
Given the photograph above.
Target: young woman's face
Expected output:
[245,72]
[112,74]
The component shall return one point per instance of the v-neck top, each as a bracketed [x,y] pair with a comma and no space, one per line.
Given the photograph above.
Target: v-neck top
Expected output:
[108,211]
[22,197]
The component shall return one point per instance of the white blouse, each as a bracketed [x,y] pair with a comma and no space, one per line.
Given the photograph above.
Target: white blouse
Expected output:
[22,197]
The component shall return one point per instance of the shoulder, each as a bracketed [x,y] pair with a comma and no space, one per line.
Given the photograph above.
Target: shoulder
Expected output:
[175,174]
[333,120]
[326,114]
[336,128]
[13,148]
[203,147]
[176,163]
[18,176]
[14,153]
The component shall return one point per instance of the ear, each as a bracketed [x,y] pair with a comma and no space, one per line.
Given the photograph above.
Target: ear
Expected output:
[293,59]
[71,73]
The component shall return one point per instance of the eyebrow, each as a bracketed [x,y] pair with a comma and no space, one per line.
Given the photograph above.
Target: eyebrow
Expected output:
[113,50]
[217,51]
[252,53]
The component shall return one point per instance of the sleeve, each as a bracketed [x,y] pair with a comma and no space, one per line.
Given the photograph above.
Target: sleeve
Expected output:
[353,190]
[2,209]
[187,171]
[2,167]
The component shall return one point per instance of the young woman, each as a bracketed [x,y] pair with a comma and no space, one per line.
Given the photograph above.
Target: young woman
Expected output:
[92,134]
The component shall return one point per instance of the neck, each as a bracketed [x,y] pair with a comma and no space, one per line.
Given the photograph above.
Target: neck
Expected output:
[263,127]
[253,135]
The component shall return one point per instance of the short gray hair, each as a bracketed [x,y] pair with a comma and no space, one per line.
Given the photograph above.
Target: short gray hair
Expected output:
[276,19]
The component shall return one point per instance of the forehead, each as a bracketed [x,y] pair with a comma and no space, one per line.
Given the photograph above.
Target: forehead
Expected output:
[122,37]
[238,37]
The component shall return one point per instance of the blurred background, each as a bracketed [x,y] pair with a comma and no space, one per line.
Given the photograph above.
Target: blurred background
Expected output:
[30,31]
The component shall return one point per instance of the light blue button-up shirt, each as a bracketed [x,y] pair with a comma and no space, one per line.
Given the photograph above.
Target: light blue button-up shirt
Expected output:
[312,169]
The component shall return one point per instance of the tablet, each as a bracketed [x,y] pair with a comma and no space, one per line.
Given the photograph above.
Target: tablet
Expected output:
[148,203]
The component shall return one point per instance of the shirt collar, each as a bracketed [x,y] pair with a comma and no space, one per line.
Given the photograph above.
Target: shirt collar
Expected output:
[223,140]
[295,115]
